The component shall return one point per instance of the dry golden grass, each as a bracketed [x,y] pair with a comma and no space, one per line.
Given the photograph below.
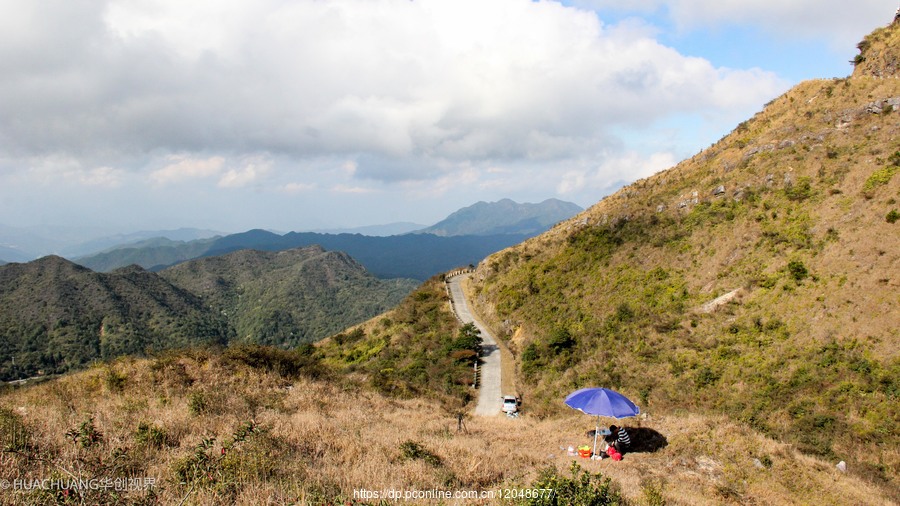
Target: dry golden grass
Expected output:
[317,442]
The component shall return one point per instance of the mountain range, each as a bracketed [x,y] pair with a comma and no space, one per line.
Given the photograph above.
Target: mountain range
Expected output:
[18,244]
[414,256]
[256,286]
[56,316]
[496,218]
[464,238]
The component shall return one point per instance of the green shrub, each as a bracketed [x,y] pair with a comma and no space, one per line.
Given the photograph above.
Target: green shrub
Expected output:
[114,380]
[530,359]
[410,450]
[286,363]
[351,337]
[814,433]
[198,467]
[85,435]
[892,216]
[583,488]
[151,435]
[798,271]
[651,489]
[560,340]
[894,159]
[705,377]
[169,372]
[248,454]
[469,338]
[801,190]
[878,178]
[624,313]
[261,457]
[197,403]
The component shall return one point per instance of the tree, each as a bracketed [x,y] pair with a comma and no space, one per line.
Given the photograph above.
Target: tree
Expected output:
[469,338]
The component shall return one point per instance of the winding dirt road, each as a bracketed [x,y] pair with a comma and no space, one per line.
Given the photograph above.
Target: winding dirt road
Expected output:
[489,391]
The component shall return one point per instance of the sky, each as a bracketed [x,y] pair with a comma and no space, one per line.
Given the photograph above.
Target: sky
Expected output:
[127,115]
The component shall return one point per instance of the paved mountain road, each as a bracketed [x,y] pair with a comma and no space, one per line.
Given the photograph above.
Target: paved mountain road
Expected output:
[489,391]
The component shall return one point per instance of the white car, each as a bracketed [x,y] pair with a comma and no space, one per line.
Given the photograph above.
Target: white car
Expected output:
[510,404]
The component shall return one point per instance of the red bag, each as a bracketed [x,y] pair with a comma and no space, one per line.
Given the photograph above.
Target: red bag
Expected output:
[616,456]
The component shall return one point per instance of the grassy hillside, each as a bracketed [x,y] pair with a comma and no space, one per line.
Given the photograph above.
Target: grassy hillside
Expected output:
[254,425]
[288,297]
[417,349]
[793,218]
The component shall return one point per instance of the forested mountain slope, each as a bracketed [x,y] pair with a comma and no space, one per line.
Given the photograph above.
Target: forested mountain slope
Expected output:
[56,316]
[289,297]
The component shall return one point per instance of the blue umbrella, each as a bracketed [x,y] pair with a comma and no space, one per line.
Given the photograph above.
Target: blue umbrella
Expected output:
[601,402]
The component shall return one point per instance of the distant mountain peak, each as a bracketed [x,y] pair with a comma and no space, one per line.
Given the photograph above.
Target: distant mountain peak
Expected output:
[57,262]
[504,217]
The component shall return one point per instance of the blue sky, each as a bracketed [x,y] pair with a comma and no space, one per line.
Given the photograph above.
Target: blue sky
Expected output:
[123,116]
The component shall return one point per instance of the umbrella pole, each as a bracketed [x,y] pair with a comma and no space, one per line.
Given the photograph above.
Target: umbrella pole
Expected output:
[597,431]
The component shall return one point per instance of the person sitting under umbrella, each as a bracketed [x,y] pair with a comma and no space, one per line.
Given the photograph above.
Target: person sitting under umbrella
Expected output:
[601,402]
[619,438]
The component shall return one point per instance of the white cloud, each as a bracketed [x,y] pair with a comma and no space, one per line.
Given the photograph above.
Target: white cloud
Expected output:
[251,172]
[617,169]
[391,80]
[184,167]
[342,98]
[572,181]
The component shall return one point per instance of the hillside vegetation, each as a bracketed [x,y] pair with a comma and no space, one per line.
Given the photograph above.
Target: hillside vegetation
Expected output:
[418,349]
[758,279]
[289,297]
[258,425]
[56,316]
